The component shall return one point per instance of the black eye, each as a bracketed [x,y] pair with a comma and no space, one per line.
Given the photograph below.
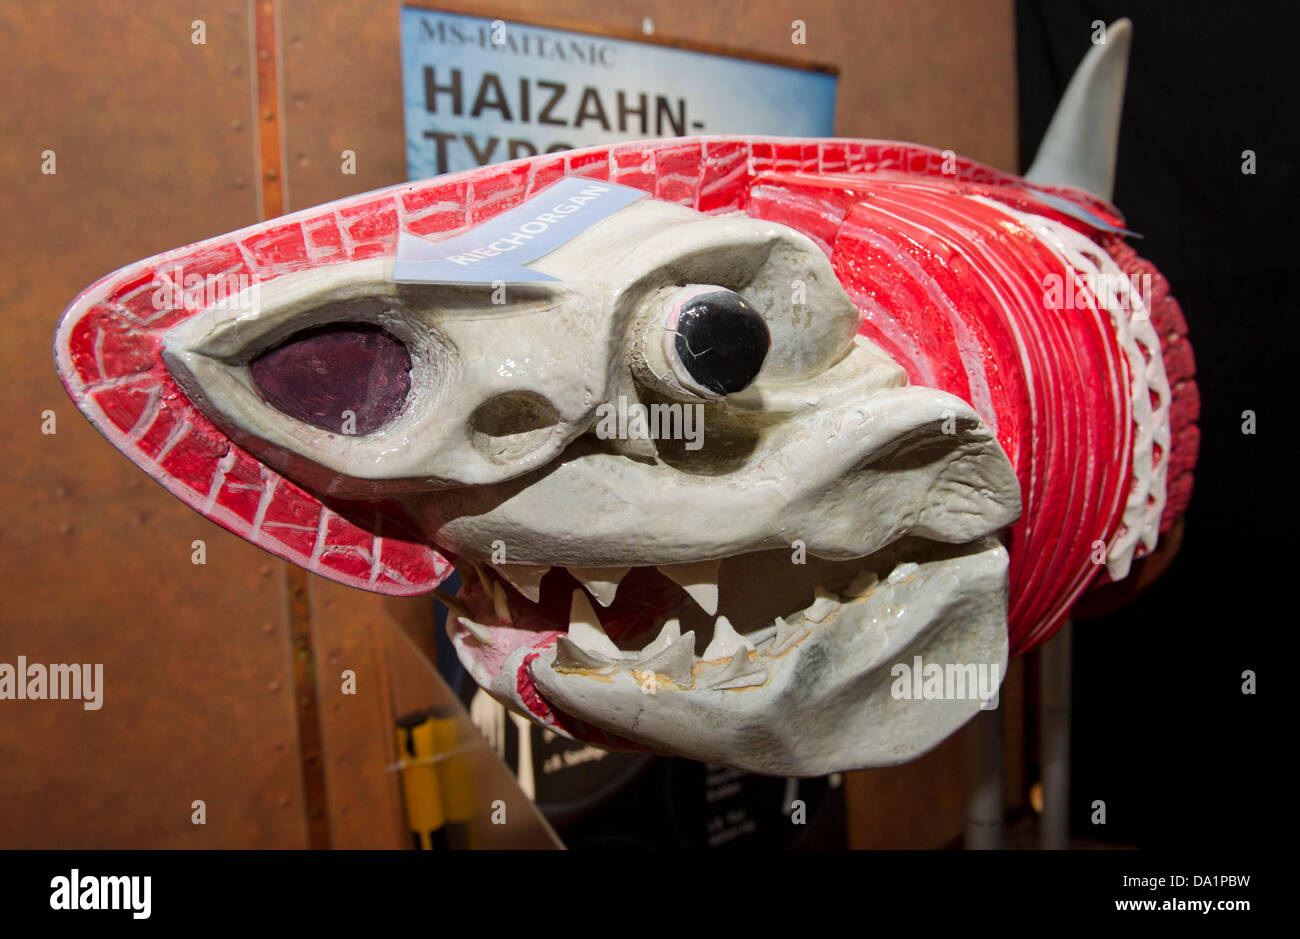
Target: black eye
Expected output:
[716,342]
[351,378]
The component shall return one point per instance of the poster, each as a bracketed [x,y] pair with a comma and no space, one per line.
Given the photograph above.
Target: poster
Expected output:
[478,91]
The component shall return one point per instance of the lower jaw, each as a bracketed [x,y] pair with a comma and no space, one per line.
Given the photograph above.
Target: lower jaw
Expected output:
[820,695]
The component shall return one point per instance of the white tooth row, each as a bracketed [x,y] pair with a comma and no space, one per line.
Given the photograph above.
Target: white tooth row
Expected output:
[587,647]
[671,655]
[697,578]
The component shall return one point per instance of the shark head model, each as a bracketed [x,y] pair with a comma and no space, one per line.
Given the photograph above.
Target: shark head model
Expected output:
[702,499]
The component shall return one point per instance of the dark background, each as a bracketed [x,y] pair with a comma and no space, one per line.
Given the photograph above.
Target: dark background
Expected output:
[1162,732]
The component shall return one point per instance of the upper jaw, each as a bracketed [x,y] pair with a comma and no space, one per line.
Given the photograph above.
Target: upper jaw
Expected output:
[844,480]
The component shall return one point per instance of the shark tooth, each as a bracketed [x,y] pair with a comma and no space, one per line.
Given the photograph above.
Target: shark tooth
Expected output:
[500,605]
[725,642]
[451,603]
[787,634]
[585,629]
[739,673]
[674,661]
[671,632]
[571,657]
[526,578]
[480,632]
[699,579]
[483,578]
[824,604]
[601,582]
[862,585]
[903,571]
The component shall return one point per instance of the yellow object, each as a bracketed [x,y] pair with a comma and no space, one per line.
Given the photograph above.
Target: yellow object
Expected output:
[417,745]
[454,774]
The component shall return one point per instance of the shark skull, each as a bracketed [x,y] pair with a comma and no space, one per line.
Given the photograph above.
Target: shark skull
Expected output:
[741,596]
[697,509]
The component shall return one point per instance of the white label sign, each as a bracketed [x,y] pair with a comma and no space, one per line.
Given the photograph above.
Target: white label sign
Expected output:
[500,249]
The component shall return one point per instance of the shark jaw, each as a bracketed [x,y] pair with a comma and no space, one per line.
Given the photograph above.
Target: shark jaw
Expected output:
[747,666]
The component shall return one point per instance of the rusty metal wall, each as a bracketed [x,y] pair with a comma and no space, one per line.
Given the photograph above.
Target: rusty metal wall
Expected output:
[151,141]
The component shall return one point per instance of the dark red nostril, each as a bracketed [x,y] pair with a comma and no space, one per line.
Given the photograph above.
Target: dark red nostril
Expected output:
[351,378]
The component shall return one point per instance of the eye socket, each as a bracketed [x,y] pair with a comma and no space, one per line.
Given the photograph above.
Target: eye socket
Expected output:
[350,378]
[714,340]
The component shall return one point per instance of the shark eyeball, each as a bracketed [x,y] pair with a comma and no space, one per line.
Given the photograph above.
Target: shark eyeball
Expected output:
[714,340]
[351,378]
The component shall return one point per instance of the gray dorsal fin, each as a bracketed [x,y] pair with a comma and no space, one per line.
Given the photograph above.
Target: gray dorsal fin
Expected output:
[1079,147]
